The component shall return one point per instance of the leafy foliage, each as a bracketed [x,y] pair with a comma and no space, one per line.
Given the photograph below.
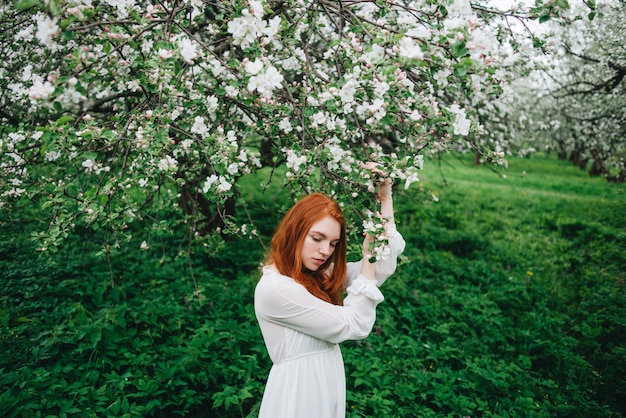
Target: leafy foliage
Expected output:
[510,303]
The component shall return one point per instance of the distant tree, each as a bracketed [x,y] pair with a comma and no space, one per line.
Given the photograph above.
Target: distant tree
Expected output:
[579,106]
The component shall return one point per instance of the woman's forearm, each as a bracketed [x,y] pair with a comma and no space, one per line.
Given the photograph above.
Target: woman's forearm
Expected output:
[386,208]
[367,269]
[386,200]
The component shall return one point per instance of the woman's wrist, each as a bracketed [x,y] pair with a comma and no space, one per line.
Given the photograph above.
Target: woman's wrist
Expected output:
[368,270]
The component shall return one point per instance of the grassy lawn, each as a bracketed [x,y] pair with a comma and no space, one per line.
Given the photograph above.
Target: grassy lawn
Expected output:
[510,302]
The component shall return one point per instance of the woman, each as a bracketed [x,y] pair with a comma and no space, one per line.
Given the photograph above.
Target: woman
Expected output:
[299,308]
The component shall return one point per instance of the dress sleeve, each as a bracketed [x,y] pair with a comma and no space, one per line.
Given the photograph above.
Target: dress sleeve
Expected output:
[383,268]
[282,301]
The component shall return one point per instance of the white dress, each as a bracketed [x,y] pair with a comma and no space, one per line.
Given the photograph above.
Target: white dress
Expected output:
[302,333]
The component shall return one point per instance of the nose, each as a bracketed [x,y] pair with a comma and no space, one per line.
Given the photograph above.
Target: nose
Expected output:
[324,249]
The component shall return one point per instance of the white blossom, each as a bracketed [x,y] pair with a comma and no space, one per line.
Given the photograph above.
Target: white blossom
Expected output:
[224,185]
[209,182]
[52,155]
[410,49]
[167,163]
[285,125]
[188,49]
[461,123]
[294,161]
[347,92]
[46,29]
[246,29]
[40,90]
[264,83]
[253,67]
[199,126]
[233,168]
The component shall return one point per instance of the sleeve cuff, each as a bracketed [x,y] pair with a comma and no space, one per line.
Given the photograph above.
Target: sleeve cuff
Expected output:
[365,287]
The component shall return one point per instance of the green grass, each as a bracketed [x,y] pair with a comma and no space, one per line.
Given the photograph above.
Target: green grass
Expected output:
[510,302]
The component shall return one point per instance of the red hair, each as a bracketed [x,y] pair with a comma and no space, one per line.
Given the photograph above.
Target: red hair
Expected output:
[288,241]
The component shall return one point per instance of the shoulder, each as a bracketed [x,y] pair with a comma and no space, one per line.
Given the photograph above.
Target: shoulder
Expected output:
[275,292]
[272,280]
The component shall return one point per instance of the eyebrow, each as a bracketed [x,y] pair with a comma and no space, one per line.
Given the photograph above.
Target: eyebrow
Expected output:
[324,235]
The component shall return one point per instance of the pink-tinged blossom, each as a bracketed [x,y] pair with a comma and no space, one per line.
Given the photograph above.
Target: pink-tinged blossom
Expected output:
[256,7]
[40,90]
[46,29]
[410,49]
[164,53]
[481,43]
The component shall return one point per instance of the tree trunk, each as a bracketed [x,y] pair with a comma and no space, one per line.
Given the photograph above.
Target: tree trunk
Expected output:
[597,168]
[212,217]
[617,178]
[477,159]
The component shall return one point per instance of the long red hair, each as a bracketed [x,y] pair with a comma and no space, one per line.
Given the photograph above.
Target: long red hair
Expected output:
[289,238]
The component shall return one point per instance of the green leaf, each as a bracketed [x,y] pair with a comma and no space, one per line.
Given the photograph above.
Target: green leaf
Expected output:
[563,4]
[64,120]
[23,319]
[458,49]
[544,18]
[65,23]
[27,4]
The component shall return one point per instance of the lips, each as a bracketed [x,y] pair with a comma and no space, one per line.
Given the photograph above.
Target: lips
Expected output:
[319,261]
